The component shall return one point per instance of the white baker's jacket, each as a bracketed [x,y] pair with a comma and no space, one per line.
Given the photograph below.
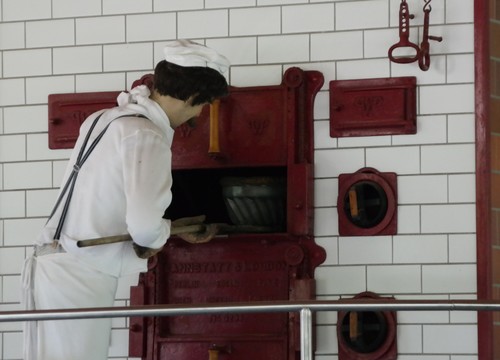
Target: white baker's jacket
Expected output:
[123,187]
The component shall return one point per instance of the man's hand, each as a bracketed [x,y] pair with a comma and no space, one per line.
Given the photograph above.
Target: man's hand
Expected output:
[196,237]
[200,237]
[145,252]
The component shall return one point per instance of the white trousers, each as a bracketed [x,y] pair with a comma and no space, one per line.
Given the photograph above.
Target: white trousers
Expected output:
[61,281]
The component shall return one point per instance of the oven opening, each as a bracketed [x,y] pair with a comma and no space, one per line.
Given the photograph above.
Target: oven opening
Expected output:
[253,200]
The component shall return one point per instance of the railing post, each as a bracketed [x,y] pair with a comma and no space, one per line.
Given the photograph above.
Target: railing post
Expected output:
[306,334]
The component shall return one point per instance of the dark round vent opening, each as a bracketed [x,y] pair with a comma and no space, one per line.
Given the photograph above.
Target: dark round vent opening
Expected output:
[365,204]
[365,331]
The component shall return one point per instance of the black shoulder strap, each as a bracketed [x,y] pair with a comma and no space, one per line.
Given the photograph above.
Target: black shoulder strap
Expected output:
[81,158]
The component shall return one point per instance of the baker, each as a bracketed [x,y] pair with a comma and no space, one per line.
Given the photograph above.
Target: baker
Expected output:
[117,184]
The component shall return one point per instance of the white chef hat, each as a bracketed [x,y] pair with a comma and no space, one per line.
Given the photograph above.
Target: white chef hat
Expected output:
[188,53]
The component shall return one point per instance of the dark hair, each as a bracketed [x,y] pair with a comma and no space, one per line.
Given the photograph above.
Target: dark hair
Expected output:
[203,83]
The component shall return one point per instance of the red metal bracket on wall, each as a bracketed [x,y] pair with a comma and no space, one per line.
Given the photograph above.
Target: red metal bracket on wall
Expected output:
[368,107]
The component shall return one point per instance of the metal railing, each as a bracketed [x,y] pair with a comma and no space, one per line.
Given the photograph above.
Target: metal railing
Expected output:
[305,308]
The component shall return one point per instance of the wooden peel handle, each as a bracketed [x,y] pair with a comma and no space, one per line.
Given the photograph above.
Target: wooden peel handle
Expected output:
[121,238]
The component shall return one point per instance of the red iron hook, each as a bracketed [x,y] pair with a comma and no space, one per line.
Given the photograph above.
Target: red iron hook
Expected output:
[404,35]
[422,54]
[424,60]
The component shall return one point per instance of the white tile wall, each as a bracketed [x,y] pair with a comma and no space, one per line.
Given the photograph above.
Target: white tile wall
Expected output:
[326,222]
[460,14]
[36,145]
[321,107]
[364,141]
[463,317]
[68,60]
[418,189]
[228,3]
[126,6]
[324,342]
[151,27]
[239,51]
[365,250]
[12,205]
[15,345]
[119,343]
[459,278]
[175,5]
[462,188]
[39,88]
[10,260]
[63,46]
[322,139]
[394,279]
[337,46]
[9,327]
[378,41]
[25,119]
[363,69]
[50,33]
[431,130]
[414,249]
[12,92]
[39,202]
[75,8]
[331,163]
[27,62]
[460,68]
[124,57]
[460,339]
[27,175]
[26,9]
[266,21]
[330,244]
[12,148]
[325,192]
[100,82]
[435,75]
[340,280]
[297,46]
[1,224]
[21,232]
[347,15]
[408,219]
[454,218]
[100,30]
[11,282]
[462,248]
[461,128]
[401,160]
[213,23]
[448,158]
[12,36]
[423,317]
[279,2]
[409,339]
[452,99]
[308,18]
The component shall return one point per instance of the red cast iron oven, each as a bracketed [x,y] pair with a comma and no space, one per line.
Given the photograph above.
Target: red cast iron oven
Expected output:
[263,131]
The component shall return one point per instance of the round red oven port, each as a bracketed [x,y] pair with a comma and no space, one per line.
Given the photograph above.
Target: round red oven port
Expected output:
[367,335]
[367,203]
